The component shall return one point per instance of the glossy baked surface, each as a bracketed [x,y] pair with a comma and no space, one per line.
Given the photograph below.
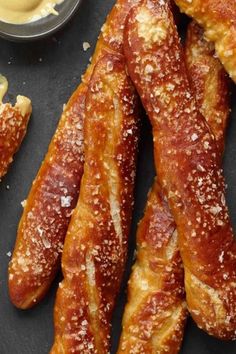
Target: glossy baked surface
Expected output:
[48,72]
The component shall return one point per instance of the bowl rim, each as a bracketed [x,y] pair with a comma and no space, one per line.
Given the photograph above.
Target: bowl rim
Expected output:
[42,33]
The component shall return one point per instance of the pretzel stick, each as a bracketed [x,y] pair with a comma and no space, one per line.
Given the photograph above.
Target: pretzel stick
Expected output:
[48,209]
[218,18]
[54,193]
[155,314]
[186,158]
[95,249]
[13,126]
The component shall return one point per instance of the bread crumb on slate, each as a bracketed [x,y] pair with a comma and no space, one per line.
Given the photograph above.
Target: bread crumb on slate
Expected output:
[86,46]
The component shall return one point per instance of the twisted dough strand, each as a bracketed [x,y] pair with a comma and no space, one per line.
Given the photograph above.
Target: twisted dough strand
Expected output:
[209,81]
[218,18]
[156,311]
[186,158]
[95,249]
[155,314]
[96,244]
[54,193]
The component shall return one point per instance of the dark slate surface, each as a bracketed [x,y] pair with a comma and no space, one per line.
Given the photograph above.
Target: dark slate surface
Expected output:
[48,71]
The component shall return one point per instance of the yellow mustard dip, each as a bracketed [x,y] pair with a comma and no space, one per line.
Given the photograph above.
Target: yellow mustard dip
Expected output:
[25,11]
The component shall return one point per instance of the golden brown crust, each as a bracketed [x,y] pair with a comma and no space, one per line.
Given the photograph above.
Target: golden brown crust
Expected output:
[155,314]
[95,249]
[13,126]
[48,210]
[218,18]
[186,158]
[209,82]
[54,193]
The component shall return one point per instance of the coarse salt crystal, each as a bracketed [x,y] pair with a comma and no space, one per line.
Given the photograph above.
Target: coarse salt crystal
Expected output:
[66,201]
[149,69]
[86,46]
[221,257]
[23,203]
[194,137]
[215,209]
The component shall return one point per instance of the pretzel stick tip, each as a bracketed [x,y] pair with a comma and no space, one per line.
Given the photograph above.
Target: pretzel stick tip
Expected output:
[13,126]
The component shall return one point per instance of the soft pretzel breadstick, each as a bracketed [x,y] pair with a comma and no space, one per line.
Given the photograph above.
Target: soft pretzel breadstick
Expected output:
[48,209]
[155,314]
[55,190]
[218,18]
[188,167]
[13,125]
[95,249]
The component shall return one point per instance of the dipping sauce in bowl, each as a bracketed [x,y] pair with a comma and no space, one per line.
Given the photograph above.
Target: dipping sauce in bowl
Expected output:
[28,20]
[26,11]
[3,87]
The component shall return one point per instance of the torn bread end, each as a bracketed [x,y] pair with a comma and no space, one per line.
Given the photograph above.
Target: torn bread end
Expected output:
[24,105]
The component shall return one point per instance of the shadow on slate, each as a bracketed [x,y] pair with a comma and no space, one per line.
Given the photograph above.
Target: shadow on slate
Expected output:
[48,71]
